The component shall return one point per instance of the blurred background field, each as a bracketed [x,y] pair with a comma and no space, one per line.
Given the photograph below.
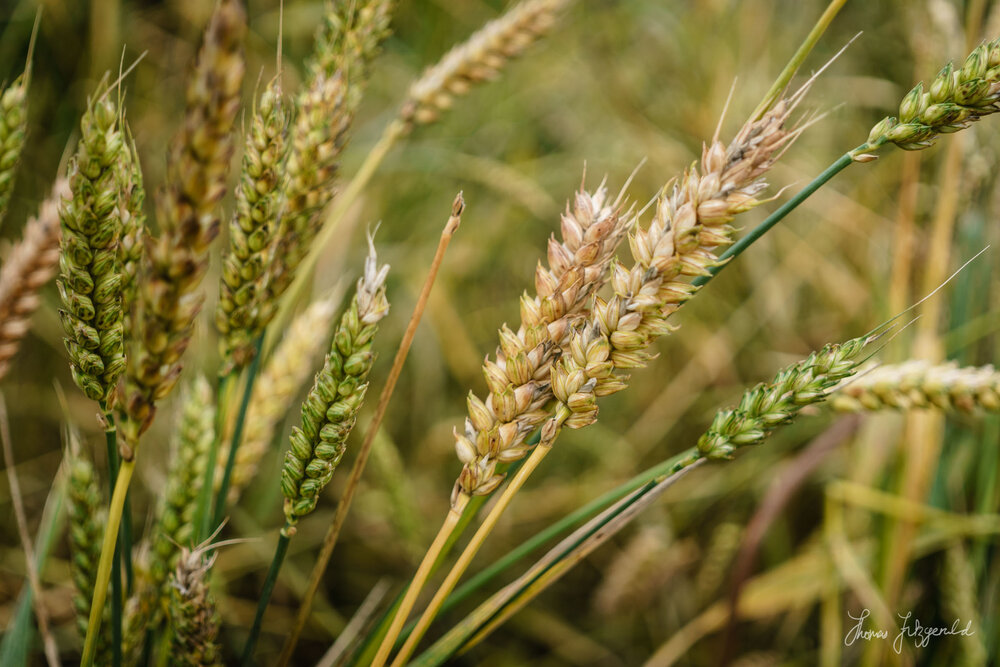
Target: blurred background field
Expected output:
[614,84]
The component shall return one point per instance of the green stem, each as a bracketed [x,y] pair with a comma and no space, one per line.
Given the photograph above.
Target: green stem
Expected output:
[203,514]
[737,248]
[111,442]
[265,596]
[105,565]
[234,443]
[793,65]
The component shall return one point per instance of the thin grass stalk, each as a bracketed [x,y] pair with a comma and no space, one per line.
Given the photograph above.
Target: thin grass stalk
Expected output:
[344,505]
[265,595]
[117,596]
[205,511]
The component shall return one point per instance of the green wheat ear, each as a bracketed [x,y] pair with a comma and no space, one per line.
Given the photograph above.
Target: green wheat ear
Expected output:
[91,280]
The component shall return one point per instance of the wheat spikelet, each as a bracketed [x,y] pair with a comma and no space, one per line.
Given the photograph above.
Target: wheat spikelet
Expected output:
[86,515]
[718,558]
[518,379]
[345,45]
[174,527]
[280,382]
[91,282]
[921,384]
[331,408]
[31,264]
[13,131]
[253,227]
[187,212]
[478,59]
[193,618]
[954,100]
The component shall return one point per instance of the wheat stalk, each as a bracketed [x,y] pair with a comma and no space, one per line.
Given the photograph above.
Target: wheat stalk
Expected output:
[921,384]
[31,264]
[187,211]
[280,382]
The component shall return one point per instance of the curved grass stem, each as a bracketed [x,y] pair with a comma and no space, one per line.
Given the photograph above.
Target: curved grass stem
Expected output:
[204,513]
[104,566]
[111,444]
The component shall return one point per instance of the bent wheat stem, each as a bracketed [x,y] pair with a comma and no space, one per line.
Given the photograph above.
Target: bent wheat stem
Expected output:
[420,578]
[107,556]
[265,593]
[110,436]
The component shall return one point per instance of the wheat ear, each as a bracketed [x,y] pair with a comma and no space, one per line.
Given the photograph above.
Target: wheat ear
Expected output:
[280,382]
[253,228]
[194,620]
[921,384]
[331,407]
[31,264]
[187,211]
[90,281]
[13,131]
[689,227]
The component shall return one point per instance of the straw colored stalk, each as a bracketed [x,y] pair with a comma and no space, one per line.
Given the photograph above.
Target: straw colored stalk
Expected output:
[13,131]
[346,43]
[194,620]
[479,59]
[253,228]
[921,384]
[29,267]
[90,281]
[277,387]
[86,514]
[331,407]
[188,216]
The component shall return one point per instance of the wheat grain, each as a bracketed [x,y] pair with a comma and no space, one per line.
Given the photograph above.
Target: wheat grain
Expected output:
[954,100]
[86,515]
[478,59]
[253,228]
[193,618]
[30,266]
[188,216]
[90,282]
[921,384]
[280,382]
[331,408]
